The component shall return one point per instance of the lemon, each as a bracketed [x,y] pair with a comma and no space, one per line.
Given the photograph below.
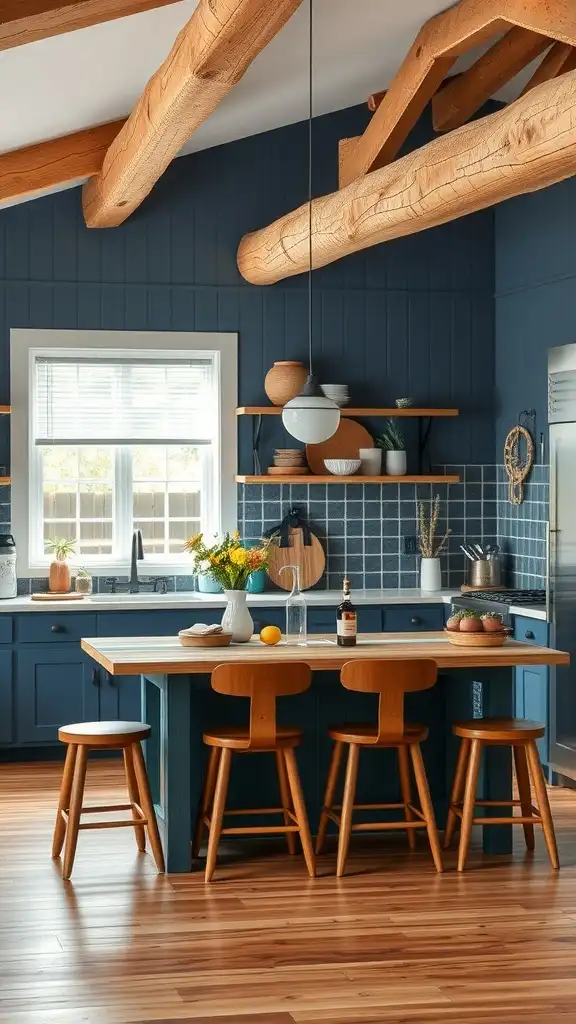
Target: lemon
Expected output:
[270,635]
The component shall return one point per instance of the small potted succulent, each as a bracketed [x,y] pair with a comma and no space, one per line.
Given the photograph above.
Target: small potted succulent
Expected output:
[60,577]
[392,442]
[83,583]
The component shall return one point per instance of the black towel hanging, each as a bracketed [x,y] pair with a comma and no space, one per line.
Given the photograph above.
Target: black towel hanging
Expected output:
[293,519]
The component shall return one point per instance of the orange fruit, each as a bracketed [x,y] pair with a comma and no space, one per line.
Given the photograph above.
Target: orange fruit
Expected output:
[270,635]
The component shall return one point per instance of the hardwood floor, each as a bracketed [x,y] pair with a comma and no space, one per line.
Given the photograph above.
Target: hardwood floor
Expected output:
[392,941]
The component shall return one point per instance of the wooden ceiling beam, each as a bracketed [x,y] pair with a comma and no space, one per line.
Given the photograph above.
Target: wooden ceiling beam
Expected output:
[463,95]
[552,65]
[26,21]
[209,57]
[25,172]
[438,44]
[526,146]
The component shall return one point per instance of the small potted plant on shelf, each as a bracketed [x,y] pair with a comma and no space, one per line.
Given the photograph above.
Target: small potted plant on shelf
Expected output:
[231,564]
[430,545]
[83,583]
[392,442]
[60,576]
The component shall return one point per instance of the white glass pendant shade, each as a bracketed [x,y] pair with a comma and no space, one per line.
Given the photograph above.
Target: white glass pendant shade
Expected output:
[311,417]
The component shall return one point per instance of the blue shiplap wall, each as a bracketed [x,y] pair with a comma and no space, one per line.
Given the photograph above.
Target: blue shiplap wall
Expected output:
[535,309]
[413,317]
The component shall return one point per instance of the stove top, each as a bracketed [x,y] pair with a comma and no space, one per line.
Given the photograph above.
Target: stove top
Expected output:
[517,597]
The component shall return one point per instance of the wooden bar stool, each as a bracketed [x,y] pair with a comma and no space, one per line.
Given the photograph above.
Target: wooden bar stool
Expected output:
[262,683]
[82,738]
[390,679]
[521,736]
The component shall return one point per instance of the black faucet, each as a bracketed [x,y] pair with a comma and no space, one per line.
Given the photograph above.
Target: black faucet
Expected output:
[137,555]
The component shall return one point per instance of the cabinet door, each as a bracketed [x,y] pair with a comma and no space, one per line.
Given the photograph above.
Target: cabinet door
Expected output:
[119,697]
[55,686]
[536,702]
[6,712]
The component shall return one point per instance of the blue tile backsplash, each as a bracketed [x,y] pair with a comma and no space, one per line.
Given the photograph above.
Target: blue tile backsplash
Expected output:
[362,526]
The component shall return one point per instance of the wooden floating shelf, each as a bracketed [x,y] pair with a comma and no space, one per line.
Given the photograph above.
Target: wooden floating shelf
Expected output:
[5,410]
[276,410]
[312,479]
[5,480]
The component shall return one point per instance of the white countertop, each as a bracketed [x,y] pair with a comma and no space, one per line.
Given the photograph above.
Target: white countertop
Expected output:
[192,599]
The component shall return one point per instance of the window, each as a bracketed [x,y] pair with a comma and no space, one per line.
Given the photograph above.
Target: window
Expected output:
[126,439]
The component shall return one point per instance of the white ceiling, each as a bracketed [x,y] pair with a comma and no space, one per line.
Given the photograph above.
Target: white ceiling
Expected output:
[73,81]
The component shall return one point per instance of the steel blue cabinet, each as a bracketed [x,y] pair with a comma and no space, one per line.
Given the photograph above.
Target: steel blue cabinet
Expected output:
[6,706]
[55,686]
[418,618]
[119,697]
[532,680]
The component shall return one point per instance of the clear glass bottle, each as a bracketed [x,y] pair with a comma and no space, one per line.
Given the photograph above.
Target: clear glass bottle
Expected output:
[296,624]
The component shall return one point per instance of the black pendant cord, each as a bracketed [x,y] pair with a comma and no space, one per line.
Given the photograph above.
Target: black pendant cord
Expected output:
[310,115]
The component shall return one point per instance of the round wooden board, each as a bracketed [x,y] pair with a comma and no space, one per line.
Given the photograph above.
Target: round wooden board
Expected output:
[310,558]
[344,444]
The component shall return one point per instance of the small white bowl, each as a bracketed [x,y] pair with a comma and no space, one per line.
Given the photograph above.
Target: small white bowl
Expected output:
[342,467]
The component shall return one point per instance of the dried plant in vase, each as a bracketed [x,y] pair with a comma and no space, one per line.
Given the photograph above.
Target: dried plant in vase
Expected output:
[60,577]
[430,544]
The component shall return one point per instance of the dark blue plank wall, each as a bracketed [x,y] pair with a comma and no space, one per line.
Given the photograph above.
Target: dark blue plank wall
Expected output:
[411,317]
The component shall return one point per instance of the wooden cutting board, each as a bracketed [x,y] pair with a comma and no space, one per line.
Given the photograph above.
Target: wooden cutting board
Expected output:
[344,444]
[310,558]
[58,597]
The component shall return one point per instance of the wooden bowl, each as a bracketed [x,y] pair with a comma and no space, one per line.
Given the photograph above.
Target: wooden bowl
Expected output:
[213,640]
[477,639]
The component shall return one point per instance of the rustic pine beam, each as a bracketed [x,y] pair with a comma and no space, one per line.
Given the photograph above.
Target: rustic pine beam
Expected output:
[553,64]
[526,146]
[25,21]
[25,172]
[437,46]
[209,57]
[462,96]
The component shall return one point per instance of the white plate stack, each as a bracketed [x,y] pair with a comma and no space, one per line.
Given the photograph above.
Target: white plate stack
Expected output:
[338,393]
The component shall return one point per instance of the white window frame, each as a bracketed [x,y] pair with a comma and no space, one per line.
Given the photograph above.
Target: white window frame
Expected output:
[27,344]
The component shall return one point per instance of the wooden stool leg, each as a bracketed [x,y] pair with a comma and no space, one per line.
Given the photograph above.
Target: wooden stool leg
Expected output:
[64,800]
[285,798]
[542,801]
[75,810]
[218,812]
[148,806]
[206,799]
[523,781]
[347,807]
[426,804]
[457,794]
[133,793]
[405,789]
[329,793]
[469,801]
[300,809]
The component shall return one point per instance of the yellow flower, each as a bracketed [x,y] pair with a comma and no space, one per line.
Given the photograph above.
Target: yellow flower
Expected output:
[238,556]
[194,541]
[236,535]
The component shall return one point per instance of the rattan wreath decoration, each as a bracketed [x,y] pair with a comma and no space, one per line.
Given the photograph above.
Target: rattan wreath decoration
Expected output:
[517,467]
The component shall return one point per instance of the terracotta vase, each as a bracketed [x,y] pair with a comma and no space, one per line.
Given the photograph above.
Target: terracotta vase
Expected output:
[284,381]
[60,579]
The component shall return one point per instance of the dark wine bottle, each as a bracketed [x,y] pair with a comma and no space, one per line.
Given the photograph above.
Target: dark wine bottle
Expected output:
[347,619]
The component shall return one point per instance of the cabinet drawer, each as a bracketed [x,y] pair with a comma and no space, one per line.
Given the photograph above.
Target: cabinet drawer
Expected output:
[5,629]
[414,618]
[323,620]
[530,631]
[154,623]
[43,627]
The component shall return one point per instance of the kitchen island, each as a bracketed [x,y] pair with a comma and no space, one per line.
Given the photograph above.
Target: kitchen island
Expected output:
[178,702]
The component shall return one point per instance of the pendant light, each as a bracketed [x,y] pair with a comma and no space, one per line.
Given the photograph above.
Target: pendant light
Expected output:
[310,416]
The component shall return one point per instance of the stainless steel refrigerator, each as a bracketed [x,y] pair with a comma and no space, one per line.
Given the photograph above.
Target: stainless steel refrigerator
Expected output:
[562,554]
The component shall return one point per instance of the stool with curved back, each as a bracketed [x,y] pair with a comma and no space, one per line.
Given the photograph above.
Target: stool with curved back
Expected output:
[81,739]
[391,680]
[521,735]
[262,684]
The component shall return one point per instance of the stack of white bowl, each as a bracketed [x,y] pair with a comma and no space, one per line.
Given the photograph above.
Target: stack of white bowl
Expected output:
[338,393]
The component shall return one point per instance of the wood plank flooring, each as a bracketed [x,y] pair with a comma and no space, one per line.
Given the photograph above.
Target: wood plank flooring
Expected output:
[264,944]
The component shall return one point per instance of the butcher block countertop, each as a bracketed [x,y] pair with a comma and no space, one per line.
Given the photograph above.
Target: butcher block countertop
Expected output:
[166,656]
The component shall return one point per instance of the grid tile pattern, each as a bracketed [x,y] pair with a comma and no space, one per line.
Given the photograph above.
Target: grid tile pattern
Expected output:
[522,529]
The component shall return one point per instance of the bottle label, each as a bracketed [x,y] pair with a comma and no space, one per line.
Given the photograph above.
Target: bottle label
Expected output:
[346,625]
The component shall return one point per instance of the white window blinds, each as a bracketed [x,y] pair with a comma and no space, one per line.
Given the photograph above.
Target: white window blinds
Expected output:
[124,401]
